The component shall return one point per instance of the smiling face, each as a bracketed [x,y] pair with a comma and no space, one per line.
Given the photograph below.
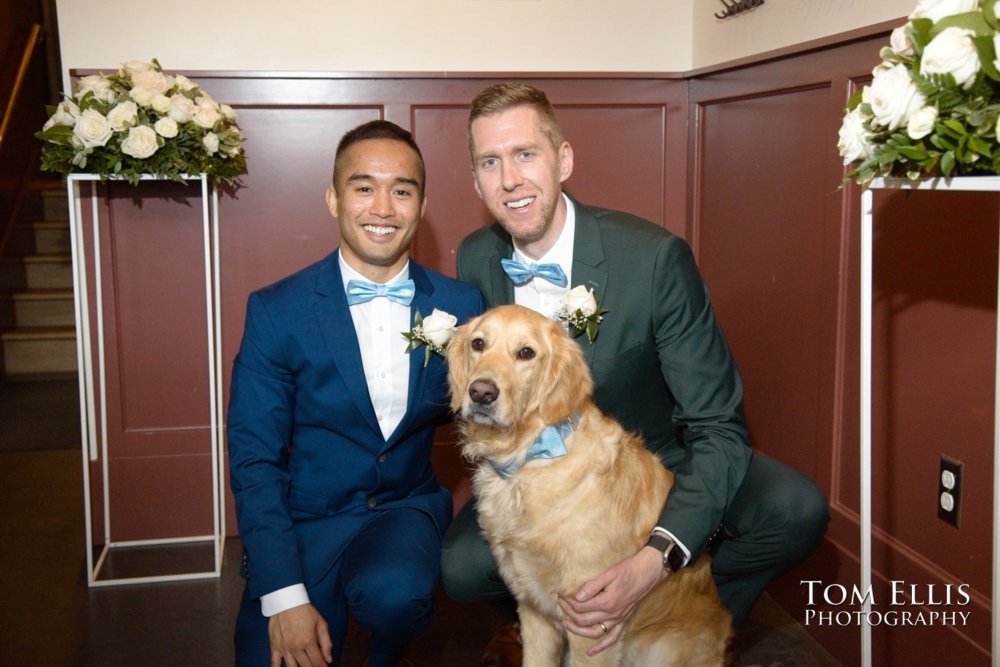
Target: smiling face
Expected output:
[519,175]
[378,200]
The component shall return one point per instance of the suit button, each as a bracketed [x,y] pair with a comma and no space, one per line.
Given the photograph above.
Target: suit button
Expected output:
[372,503]
[381,458]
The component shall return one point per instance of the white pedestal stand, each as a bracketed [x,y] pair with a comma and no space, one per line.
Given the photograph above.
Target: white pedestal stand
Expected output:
[961,184]
[94,384]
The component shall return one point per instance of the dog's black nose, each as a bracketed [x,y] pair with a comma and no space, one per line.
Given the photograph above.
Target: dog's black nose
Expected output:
[483,392]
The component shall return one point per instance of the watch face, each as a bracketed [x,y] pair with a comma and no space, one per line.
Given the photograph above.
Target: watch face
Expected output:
[675,559]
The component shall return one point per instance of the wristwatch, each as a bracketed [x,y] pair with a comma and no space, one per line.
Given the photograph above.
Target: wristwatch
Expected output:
[673,558]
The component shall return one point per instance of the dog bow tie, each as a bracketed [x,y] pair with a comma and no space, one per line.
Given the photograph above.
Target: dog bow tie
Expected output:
[362,291]
[550,444]
[521,273]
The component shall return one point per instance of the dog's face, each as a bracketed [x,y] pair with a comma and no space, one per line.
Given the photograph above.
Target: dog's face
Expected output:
[512,368]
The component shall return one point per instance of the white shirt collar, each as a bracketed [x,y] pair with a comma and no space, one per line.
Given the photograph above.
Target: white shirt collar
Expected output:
[347,273]
[561,252]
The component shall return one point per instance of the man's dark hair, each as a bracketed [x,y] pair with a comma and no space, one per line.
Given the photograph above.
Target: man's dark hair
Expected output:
[378,129]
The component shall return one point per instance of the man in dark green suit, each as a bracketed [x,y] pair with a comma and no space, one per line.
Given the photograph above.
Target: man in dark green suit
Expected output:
[661,366]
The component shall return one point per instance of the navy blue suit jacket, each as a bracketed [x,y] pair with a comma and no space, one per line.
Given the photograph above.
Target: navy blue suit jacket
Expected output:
[309,465]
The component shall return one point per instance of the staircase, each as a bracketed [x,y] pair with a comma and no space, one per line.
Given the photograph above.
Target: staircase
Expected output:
[37,323]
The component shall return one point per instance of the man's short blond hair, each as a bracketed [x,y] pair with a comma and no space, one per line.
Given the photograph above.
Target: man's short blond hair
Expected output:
[503,96]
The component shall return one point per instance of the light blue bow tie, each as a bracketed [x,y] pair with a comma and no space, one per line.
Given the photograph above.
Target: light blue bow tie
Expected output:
[362,291]
[521,273]
[550,444]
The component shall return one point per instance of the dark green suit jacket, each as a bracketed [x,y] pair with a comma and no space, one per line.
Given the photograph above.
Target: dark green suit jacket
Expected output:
[661,364]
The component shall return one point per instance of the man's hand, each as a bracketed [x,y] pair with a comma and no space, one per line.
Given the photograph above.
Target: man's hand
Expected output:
[611,597]
[300,636]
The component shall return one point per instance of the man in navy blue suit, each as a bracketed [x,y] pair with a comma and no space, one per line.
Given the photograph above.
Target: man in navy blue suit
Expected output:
[331,423]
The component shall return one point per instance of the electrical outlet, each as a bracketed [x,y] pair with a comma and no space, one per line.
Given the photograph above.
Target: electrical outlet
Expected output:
[950,490]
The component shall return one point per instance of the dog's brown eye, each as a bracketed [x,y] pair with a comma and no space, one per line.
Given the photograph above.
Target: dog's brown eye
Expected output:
[526,353]
[478,344]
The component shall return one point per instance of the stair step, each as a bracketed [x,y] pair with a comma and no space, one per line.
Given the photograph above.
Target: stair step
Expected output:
[39,237]
[51,237]
[55,205]
[38,350]
[49,270]
[44,308]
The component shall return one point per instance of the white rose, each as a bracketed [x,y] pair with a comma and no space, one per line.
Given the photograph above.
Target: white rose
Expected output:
[97,84]
[166,127]
[935,10]
[921,123]
[439,327]
[181,108]
[123,116]
[140,142]
[92,128]
[227,112]
[137,66]
[206,117]
[952,52]
[582,299]
[66,114]
[853,139]
[143,96]
[996,46]
[205,100]
[154,81]
[211,142]
[900,42]
[161,104]
[183,83]
[894,97]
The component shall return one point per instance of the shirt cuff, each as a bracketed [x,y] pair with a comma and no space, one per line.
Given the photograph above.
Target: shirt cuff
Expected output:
[680,545]
[283,599]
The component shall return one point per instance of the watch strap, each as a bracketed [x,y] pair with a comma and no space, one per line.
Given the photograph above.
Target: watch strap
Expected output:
[673,558]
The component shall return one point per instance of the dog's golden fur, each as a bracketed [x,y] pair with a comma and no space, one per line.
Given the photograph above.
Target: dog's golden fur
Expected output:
[555,524]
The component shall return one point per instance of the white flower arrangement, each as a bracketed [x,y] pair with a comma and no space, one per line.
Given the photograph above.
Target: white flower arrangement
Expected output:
[435,332]
[580,313]
[142,121]
[934,100]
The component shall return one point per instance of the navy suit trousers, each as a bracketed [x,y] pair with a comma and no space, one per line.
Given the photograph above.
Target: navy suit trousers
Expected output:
[385,579]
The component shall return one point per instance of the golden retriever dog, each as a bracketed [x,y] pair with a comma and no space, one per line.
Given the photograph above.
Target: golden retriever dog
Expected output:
[555,523]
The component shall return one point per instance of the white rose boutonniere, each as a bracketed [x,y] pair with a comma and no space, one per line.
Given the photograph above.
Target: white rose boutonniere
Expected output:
[435,332]
[580,312]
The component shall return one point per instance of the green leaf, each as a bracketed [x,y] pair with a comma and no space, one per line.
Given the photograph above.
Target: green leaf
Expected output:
[987,54]
[947,163]
[920,30]
[968,21]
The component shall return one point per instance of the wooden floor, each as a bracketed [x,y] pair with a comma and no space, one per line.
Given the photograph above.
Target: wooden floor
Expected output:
[49,617]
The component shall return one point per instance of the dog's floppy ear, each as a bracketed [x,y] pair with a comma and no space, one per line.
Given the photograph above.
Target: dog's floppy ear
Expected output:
[567,379]
[458,365]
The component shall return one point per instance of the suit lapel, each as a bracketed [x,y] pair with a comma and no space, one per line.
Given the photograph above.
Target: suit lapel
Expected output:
[502,289]
[422,301]
[341,340]
[588,256]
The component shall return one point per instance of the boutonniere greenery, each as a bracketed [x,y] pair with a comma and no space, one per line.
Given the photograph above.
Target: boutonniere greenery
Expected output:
[435,333]
[580,312]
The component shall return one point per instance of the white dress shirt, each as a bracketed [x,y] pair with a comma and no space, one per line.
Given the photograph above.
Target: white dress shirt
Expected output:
[379,324]
[539,294]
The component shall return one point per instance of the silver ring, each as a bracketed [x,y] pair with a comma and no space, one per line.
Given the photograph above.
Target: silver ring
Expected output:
[604,628]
